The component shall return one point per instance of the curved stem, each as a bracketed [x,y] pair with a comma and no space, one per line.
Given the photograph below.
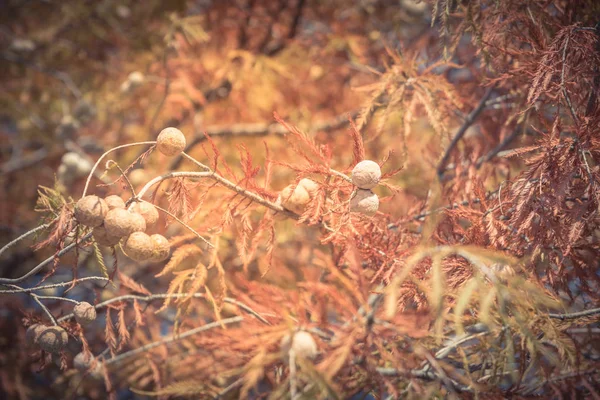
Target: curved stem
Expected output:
[48,313]
[170,175]
[89,178]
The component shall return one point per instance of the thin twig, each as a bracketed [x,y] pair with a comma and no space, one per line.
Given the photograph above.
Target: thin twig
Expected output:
[501,146]
[229,388]
[57,298]
[54,285]
[341,175]
[122,176]
[186,226]
[562,81]
[420,374]
[459,134]
[242,191]
[171,175]
[46,261]
[172,339]
[259,130]
[89,178]
[149,298]
[575,315]
[26,234]
[48,313]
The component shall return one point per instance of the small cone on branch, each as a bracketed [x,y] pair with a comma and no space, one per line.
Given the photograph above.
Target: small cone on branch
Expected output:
[90,211]
[83,362]
[161,248]
[139,246]
[170,142]
[302,343]
[310,186]
[147,211]
[53,339]
[364,202]
[114,201]
[103,238]
[366,174]
[121,223]
[85,313]
[295,199]
[33,333]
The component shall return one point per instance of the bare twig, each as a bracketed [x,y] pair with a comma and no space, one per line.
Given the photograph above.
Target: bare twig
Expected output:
[25,235]
[46,261]
[57,298]
[575,315]
[48,313]
[341,175]
[87,182]
[122,176]
[158,296]
[459,134]
[171,175]
[172,339]
[52,286]
[186,226]
[421,374]
[240,190]
[501,146]
[229,388]
[258,130]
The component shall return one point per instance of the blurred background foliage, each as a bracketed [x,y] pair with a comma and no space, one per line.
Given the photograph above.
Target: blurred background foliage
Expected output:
[80,77]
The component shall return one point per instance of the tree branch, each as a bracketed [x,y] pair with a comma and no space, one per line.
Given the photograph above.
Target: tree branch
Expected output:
[25,235]
[46,261]
[172,339]
[575,315]
[258,130]
[131,297]
[53,285]
[461,131]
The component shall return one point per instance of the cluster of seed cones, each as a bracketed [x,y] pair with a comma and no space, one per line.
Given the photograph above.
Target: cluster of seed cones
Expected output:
[365,176]
[113,224]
